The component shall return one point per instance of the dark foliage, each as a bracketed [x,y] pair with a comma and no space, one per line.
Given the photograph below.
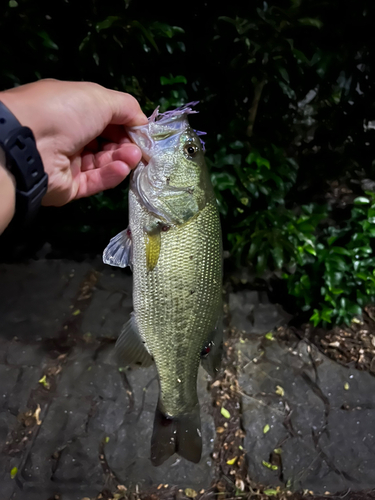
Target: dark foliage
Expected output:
[287,96]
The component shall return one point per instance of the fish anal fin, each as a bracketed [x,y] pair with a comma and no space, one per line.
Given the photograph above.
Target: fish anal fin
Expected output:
[181,435]
[119,250]
[130,348]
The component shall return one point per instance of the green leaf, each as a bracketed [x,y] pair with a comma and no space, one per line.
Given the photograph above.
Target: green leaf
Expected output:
[310,21]
[47,40]
[106,23]
[288,91]
[147,33]
[172,80]
[266,429]
[223,180]
[283,72]
[270,492]
[236,145]
[255,157]
[361,200]
[315,318]
[278,256]
[340,251]
[354,309]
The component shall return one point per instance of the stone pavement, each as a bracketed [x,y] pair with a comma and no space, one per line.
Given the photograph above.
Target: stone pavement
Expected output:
[73,425]
[309,422]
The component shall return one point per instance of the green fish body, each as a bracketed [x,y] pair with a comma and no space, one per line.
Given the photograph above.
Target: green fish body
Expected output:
[173,243]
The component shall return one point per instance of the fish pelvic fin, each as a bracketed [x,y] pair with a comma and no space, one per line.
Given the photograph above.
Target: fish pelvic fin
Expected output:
[181,435]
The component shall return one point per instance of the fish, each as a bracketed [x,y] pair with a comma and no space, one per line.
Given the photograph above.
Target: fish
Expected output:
[173,245]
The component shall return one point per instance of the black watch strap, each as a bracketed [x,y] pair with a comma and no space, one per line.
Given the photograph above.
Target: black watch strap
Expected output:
[24,162]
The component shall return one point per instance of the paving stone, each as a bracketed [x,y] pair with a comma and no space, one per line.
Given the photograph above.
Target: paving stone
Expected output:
[8,379]
[323,426]
[252,312]
[111,304]
[35,297]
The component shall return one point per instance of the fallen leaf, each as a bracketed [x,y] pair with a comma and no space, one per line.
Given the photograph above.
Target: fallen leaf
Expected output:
[266,428]
[271,492]
[269,336]
[220,430]
[269,466]
[346,386]
[279,391]
[13,472]
[278,451]
[240,485]
[232,461]
[44,382]
[225,412]
[76,312]
[189,492]
[36,415]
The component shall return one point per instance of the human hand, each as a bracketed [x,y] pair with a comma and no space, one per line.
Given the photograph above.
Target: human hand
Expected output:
[80,135]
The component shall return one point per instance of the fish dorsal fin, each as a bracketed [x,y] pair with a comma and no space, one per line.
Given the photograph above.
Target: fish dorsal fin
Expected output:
[130,348]
[119,250]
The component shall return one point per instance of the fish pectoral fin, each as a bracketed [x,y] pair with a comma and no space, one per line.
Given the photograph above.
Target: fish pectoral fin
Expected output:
[119,250]
[130,348]
[181,435]
[212,351]
[153,244]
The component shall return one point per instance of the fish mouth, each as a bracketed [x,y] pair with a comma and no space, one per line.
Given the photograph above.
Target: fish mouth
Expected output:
[160,127]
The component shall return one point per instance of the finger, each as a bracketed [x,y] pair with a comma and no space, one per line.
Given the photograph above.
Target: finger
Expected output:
[110,145]
[100,179]
[127,153]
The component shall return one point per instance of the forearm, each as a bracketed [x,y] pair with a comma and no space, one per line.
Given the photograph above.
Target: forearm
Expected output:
[7,194]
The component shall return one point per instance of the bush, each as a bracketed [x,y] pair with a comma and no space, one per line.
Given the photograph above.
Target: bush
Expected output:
[286,95]
[338,279]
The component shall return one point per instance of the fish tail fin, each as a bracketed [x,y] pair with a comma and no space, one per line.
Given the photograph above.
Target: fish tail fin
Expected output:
[181,435]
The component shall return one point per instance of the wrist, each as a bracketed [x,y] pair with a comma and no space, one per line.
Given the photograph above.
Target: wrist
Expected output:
[7,194]
[21,158]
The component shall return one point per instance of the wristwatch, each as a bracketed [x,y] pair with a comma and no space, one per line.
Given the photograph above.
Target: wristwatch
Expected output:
[23,160]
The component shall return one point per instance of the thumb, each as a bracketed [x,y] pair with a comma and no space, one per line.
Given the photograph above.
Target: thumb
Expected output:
[125,109]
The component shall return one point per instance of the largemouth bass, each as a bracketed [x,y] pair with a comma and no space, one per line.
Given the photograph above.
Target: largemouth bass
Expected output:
[173,244]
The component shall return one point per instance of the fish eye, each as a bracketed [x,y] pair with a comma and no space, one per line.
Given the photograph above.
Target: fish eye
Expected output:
[191,149]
